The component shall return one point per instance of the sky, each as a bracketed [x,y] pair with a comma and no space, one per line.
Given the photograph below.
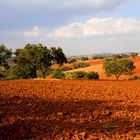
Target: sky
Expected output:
[79,27]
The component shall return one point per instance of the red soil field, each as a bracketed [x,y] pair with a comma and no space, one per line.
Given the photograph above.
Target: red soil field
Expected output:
[69,110]
[97,65]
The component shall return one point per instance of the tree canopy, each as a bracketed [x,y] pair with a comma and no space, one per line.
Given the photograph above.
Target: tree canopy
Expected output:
[118,67]
[36,57]
[5,60]
[58,55]
[5,56]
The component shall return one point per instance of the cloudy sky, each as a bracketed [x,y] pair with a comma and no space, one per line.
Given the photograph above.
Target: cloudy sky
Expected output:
[78,26]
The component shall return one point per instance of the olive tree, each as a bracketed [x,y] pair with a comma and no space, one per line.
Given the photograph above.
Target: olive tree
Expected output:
[5,56]
[5,60]
[33,58]
[58,56]
[118,67]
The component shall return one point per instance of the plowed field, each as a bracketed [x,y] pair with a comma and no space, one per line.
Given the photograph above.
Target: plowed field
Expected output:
[69,110]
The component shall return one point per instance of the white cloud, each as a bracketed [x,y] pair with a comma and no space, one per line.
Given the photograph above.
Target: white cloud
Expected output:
[93,27]
[96,35]
[72,30]
[99,27]
[34,32]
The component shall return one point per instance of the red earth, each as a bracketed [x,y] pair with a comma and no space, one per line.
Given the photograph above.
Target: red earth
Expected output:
[69,110]
[97,65]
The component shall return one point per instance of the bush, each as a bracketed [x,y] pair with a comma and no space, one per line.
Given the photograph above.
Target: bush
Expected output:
[69,75]
[3,73]
[133,54]
[12,77]
[23,72]
[84,58]
[64,68]
[92,75]
[71,60]
[80,65]
[58,75]
[135,78]
[120,56]
[58,72]
[50,71]
[98,57]
[81,75]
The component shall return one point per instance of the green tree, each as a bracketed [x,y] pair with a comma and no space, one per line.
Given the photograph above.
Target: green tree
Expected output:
[118,67]
[45,60]
[33,58]
[5,56]
[58,56]
[22,71]
[5,60]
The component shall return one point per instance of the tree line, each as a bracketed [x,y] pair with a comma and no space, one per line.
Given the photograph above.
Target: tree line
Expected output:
[27,62]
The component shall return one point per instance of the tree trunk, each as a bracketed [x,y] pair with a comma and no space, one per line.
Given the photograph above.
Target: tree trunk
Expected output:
[34,74]
[43,74]
[117,77]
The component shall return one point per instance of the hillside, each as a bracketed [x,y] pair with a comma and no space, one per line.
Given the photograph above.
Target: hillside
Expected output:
[97,65]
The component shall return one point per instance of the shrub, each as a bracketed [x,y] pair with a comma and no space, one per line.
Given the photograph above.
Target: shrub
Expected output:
[92,75]
[133,54]
[79,74]
[58,75]
[135,78]
[64,68]
[120,56]
[71,60]
[12,77]
[58,72]
[84,58]
[69,75]
[98,57]
[80,65]
[50,71]
[3,73]
[23,72]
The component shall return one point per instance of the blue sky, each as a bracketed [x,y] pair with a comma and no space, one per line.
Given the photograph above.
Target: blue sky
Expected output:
[78,26]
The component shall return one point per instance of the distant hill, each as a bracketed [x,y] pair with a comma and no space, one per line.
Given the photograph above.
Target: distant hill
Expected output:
[97,65]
